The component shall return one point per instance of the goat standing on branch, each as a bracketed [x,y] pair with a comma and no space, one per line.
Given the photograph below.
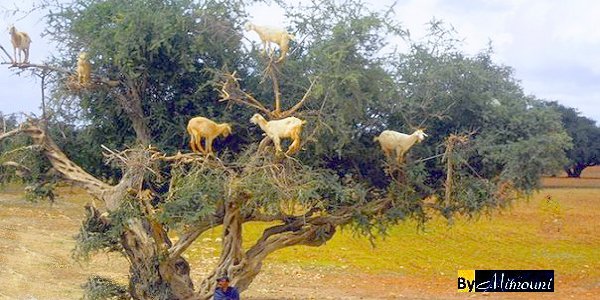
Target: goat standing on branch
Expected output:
[21,41]
[270,35]
[200,127]
[290,127]
[84,70]
[391,141]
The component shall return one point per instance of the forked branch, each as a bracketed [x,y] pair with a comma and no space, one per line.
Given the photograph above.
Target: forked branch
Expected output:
[230,90]
[298,105]
[61,163]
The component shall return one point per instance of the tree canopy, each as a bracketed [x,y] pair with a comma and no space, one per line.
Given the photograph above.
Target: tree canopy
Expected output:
[586,140]
[156,64]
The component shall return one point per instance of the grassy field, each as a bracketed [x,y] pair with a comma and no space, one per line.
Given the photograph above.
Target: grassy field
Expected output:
[36,240]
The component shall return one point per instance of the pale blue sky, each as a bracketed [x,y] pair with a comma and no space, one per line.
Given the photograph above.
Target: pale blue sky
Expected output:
[553,45]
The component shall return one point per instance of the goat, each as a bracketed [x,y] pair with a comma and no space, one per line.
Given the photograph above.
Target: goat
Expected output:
[290,127]
[399,142]
[200,127]
[84,70]
[270,35]
[21,41]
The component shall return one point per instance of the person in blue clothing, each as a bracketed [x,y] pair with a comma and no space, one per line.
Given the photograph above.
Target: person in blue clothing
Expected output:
[224,291]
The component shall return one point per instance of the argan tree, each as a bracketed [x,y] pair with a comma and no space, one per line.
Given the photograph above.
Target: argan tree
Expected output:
[158,63]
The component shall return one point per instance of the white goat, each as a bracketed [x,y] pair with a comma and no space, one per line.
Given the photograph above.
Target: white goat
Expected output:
[21,41]
[270,35]
[395,141]
[290,127]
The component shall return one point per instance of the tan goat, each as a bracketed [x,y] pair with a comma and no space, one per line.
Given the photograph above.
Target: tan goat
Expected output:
[200,127]
[84,70]
[290,127]
[21,41]
[270,35]
[393,141]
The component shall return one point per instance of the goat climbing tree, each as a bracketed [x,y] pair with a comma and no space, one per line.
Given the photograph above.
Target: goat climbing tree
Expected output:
[156,64]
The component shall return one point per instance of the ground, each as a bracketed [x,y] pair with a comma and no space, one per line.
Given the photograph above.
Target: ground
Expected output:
[557,229]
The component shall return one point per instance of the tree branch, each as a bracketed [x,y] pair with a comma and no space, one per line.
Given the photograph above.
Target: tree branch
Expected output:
[271,69]
[298,105]
[230,90]
[22,170]
[189,237]
[6,52]
[48,68]
[62,164]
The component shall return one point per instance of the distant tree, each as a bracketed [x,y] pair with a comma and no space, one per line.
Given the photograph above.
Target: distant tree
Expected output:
[158,63]
[586,140]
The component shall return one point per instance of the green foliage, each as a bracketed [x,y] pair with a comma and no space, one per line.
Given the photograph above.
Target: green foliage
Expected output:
[261,183]
[194,195]
[167,52]
[162,50]
[449,92]
[289,186]
[21,162]
[103,233]
[41,190]
[345,44]
[586,139]
[101,288]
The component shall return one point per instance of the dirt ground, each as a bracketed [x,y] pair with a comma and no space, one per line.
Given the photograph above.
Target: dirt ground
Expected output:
[36,241]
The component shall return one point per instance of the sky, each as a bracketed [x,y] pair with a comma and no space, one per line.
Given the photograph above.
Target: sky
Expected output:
[553,45]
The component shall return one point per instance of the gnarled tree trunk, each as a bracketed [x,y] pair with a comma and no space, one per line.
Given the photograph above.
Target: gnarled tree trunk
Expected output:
[576,170]
[152,274]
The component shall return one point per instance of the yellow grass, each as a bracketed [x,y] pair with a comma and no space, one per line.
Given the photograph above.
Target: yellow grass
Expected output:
[523,237]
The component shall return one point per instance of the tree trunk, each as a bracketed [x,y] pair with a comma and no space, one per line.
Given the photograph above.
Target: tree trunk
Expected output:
[232,259]
[140,127]
[575,171]
[242,267]
[131,102]
[152,275]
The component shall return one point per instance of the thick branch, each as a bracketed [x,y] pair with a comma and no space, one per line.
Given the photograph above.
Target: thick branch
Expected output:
[131,101]
[189,237]
[271,69]
[22,170]
[61,163]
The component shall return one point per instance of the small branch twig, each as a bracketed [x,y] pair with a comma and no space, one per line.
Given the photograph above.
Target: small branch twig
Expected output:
[6,52]
[48,68]
[298,105]
[231,91]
